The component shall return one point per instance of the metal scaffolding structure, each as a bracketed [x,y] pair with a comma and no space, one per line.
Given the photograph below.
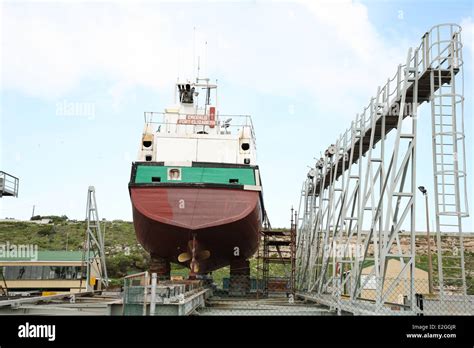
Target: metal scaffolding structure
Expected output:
[94,251]
[359,199]
[277,248]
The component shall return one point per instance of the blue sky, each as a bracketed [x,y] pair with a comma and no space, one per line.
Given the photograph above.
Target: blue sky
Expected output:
[301,69]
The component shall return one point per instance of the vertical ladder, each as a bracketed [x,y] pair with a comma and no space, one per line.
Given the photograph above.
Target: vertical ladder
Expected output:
[293,231]
[266,266]
[304,222]
[449,170]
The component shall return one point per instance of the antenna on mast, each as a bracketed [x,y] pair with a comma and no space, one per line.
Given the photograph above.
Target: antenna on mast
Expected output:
[205,58]
[199,68]
[194,51]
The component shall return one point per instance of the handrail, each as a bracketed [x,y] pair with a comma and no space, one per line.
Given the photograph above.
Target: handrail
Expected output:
[432,53]
[436,51]
[9,184]
[149,115]
[5,173]
[152,113]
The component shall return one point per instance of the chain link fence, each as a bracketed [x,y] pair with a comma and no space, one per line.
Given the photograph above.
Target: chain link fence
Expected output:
[390,296]
[246,296]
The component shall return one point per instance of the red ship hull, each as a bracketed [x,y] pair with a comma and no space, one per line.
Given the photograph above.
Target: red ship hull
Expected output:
[226,222]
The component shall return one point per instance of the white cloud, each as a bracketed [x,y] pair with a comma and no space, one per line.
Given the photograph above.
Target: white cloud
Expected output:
[49,49]
[327,49]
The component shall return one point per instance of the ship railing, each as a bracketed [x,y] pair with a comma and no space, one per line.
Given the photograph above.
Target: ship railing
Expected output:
[225,123]
[135,294]
[8,185]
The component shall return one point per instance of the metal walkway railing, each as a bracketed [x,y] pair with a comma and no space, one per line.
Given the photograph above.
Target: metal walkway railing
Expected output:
[8,185]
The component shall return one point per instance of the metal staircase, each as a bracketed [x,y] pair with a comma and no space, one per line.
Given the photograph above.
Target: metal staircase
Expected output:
[360,200]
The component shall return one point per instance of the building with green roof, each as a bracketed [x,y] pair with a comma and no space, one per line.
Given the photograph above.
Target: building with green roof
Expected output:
[45,270]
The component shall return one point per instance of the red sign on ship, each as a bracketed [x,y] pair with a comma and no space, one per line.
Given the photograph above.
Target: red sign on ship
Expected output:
[212,116]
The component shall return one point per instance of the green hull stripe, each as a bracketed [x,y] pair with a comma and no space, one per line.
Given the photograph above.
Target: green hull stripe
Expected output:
[245,176]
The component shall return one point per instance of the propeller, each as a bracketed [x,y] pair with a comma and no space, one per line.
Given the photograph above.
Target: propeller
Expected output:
[194,254]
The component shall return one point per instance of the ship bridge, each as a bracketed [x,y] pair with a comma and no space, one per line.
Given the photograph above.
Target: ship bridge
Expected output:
[193,130]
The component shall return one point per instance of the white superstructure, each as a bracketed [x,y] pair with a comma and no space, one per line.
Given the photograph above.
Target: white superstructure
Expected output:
[193,130]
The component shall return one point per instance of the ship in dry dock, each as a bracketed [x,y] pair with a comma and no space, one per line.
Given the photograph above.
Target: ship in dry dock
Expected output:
[195,187]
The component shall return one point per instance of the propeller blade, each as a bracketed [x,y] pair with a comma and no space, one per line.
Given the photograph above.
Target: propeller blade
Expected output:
[183,257]
[203,255]
[196,267]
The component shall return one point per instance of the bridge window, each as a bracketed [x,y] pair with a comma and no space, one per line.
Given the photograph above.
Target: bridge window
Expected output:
[174,174]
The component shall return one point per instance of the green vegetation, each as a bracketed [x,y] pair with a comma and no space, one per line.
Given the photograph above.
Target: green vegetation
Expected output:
[67,235]
[54,218]
[451,269]
[124,254]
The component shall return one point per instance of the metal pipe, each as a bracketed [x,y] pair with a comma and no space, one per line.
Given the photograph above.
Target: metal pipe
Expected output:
[428,238]
[145,292]
[153,294]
